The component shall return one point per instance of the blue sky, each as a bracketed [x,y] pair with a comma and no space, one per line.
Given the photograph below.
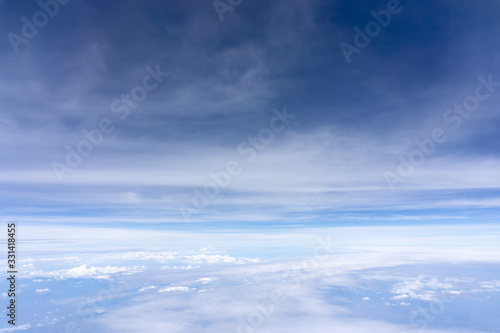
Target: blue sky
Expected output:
[352,121]
[438,279]
[210,154]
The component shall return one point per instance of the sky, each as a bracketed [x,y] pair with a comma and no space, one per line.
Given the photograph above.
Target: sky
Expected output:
[334,158]
[438,279]
[201,149]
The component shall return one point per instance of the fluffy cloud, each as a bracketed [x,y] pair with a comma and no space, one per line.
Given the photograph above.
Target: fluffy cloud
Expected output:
[422,288]
[81,272]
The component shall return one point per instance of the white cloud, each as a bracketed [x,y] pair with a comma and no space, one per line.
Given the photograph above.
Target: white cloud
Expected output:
[180,257]
[11,329]
[179,267]
[240,289]
[82,272]
[160,256]
[216,259]
[422,288]
[206,280]
[225,308]
[42,290]
[491,285]
[170,289]
[205,290]
[148,288]
[403,296]
[68,258]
